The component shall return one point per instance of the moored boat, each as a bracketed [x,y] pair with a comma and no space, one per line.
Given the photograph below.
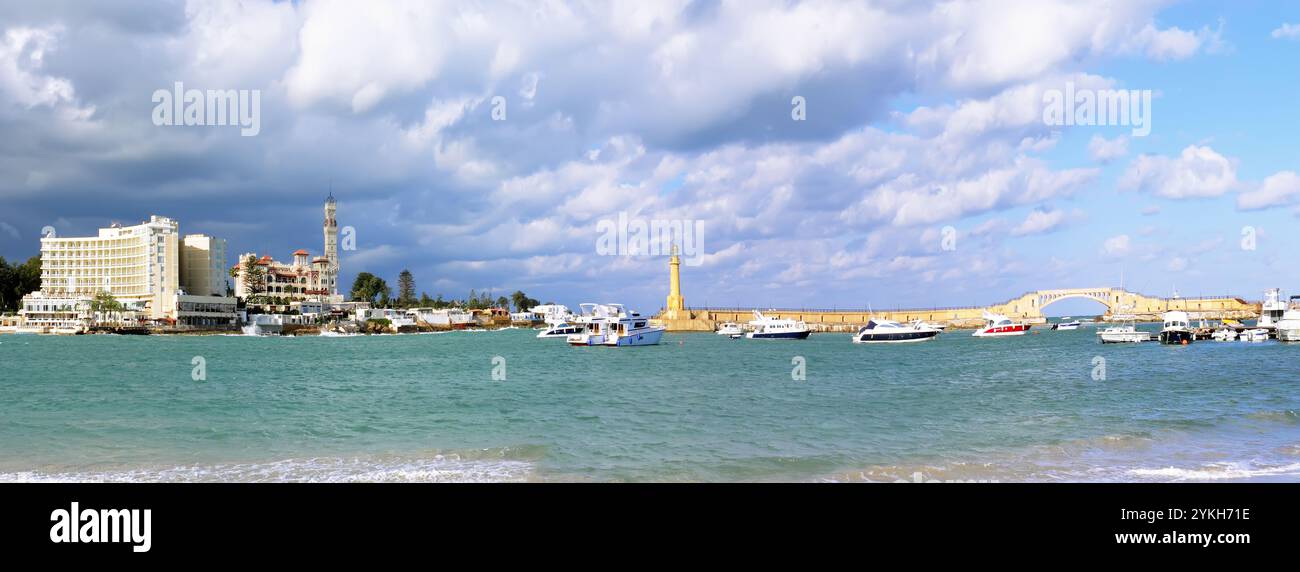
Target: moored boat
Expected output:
[1125,334]
[1176,329]
[996,325]
[1288,327]
[889,331]
[731,329]
[769,328]
[612,325]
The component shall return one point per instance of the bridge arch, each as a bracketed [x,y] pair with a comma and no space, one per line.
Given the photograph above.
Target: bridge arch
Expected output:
[1107,297]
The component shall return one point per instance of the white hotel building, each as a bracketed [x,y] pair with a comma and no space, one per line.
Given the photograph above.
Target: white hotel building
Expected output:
[142,267]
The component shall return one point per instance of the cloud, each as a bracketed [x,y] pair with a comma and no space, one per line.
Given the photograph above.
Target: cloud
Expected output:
[9,229]
[1176,264]
[1103,150]
[1040,222]
[1116,246]
[23,53]
[1287,31]
[1197,172]
[1279,189]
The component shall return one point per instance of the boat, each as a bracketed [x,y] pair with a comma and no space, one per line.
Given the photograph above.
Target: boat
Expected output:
[1125,334]
[612,325]
[924,324]
[1288,327]
[559,330]
[1176,329]
[731,330]
[1224,335]
[768,328]
[1066,325]
[999,325]
[1272,309]
[1254,335]
[889,331]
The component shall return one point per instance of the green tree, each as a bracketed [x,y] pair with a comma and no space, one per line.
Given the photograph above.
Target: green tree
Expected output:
[522,302]
[502,302]
[254,278]
[425,300]
[104,305]
[370,288]
[405,289]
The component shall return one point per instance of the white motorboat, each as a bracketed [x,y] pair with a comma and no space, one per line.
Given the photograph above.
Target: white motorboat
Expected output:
[559,330]
[1224,335]
[1125,334]
[769,328]
[731,330]
[1288,327]
[612,325]
[1254,335]
[998,325]
[889,331]
[1176,329]
[1066,323]
[924,324]
[1273,309]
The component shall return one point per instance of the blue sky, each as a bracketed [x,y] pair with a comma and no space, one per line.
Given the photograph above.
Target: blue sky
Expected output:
[920,117]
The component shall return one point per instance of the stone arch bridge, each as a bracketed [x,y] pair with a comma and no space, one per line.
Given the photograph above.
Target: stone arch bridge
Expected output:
[1119,303]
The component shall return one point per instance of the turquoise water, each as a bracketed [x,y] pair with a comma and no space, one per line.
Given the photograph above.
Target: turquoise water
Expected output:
[698,407]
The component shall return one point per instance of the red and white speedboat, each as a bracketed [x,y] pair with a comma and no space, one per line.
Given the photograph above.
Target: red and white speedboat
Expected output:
[999,325]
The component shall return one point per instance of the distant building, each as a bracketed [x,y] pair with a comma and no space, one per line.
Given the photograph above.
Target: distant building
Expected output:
[141,266]
[305,279]
[203,265]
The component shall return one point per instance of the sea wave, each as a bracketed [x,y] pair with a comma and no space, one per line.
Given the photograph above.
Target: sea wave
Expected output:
[489,466]
[1220,471]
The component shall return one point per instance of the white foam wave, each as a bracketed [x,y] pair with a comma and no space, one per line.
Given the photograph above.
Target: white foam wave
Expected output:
[437,469]
[1219,471]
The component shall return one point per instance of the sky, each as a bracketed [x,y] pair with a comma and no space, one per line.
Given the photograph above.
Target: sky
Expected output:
[482,144]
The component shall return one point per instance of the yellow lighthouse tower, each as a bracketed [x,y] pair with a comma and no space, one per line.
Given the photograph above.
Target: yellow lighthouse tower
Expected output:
[676,304]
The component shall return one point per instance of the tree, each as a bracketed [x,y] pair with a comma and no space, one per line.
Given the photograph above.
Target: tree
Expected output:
[405,289]
[522,302]
[502,302]
[254,277]
[370,288]
[425,300]
[104,304]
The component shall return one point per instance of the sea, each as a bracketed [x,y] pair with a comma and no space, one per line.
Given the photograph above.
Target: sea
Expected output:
[504,406]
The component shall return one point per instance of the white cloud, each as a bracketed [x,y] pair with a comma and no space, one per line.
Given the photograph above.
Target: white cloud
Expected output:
[1279,189]
[1288,31]
[1106,150]
[1116,246]
[1039,222]
[1197,172]
[22,56]
[1176,264]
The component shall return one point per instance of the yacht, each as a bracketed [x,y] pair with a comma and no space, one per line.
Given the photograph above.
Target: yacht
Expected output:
[1254,335]
[1125,334]
[612,325]
[1272,309]
[924,324]
[767,328]
[1224,335]
[999,325]
[559,330]
[731,330]
[1288,327]
[1176,328]
[887,331]
[1066,323]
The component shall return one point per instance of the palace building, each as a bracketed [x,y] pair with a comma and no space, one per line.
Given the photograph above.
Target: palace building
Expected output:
[304,279]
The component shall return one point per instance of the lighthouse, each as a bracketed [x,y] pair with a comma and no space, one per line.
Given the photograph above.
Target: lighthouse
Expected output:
[676,304]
